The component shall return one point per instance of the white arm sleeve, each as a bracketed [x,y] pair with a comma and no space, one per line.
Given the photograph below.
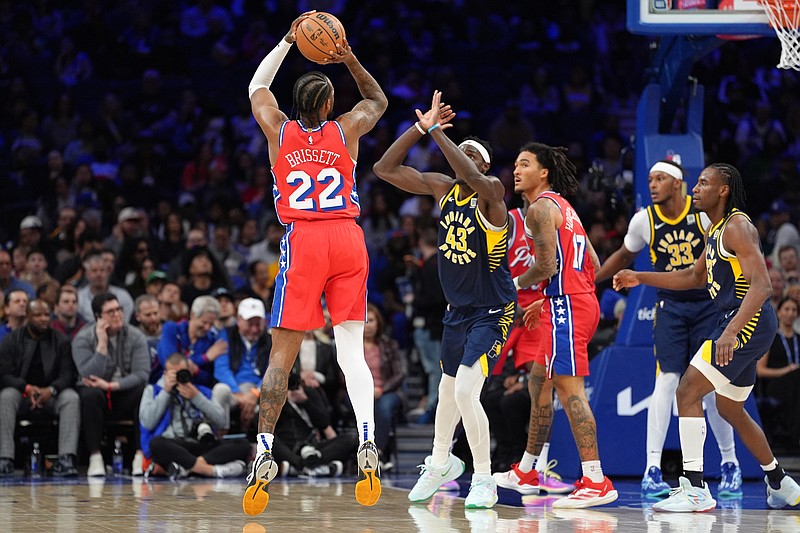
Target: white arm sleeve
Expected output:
[266,71]
[638,235]
[705,222]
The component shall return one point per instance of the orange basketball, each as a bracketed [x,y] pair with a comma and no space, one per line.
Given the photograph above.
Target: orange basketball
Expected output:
[318,34]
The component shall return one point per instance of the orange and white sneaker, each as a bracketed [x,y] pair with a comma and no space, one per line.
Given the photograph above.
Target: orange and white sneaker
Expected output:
[256,494]
[516,479]
[588,494]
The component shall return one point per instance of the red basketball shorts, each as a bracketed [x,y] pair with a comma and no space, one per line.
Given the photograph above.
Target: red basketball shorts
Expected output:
[321,257]
[568,323]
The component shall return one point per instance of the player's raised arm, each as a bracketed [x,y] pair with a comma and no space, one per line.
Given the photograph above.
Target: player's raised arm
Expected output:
[489,188]
[390,166]
[262,99]
[366,113]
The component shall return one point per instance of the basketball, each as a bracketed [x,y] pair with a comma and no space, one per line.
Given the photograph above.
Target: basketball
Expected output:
[318,34]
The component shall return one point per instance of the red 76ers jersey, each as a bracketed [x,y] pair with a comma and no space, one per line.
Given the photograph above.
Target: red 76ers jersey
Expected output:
[575,270]
[314,176]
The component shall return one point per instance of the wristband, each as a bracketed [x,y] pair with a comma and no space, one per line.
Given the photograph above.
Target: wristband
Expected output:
[433,127]
[419,128]
[516,283]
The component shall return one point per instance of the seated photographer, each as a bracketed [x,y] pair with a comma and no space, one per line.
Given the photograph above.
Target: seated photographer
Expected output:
[240,368]
[304,438]
[177,420]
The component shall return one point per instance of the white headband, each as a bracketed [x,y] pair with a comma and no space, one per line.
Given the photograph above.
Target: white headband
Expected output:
[666,168]
[478,146]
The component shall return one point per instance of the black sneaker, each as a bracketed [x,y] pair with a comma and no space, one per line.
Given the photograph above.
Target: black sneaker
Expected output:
[65,466]
[6,467]
[176,472]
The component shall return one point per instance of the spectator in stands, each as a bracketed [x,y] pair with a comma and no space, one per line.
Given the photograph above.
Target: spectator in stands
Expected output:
[48,291]
[37,372]
[178,418]
[787,260]
[15,311]
[36,268]
[71,271]
[227,308]
[240,368]
[203,277]
[779,372]
[98,275]
[386,363]
[782,232]
[113,365]
[155,282]
[429,308]
[222,248]
[262,282]
[172,237]
[148,319]
[317,368]
[67,319]
[131,225]
[778,285]
[9,282]
[196,338]
[171,306]
[32,238]
[138,286]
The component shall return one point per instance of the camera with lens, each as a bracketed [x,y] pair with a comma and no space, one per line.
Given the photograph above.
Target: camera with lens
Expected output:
[183,376]
[294,382]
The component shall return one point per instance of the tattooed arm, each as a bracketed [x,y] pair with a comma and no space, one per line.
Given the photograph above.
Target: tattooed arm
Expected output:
[542,219]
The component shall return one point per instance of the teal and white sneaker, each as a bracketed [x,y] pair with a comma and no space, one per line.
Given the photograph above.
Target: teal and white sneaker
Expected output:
[653,484]
[687,499]
[730,484]
[482,492]
[431,478]
[788,494]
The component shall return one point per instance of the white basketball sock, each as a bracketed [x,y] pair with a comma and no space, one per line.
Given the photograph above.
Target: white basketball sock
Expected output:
[723,431]
[693,437]
[658,416]
[527,462]
[593,470]
[541,461]
[264,442]
[349,337]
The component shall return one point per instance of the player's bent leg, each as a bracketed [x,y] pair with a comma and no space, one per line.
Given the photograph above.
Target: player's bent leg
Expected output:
[274,387]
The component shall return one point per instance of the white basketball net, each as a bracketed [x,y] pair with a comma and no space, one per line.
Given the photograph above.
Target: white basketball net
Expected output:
[784,17]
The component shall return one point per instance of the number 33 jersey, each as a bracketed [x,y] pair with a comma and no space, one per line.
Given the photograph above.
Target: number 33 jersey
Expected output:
[314,176]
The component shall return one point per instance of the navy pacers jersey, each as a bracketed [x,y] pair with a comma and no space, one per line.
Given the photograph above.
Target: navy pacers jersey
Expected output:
[676,244]
[726,284]
[473,259]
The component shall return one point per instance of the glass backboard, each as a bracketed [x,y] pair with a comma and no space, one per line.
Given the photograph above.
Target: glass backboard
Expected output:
[697,17]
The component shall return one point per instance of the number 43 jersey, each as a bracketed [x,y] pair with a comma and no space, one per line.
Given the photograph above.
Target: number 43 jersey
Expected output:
[574,267]
[314,176]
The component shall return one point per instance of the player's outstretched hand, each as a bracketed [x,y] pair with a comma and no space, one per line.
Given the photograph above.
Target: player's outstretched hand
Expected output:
[438,113]
[533,313]
[625,279]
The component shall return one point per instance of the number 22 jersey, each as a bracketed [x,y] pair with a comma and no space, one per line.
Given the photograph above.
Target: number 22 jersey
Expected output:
[314,176]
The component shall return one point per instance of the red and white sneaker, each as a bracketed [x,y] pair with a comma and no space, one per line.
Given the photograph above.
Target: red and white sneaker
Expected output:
[588,494]
[515,479]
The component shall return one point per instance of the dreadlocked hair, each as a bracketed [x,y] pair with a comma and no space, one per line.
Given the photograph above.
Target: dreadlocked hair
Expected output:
[562,171]
[737,197]
[311,91]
